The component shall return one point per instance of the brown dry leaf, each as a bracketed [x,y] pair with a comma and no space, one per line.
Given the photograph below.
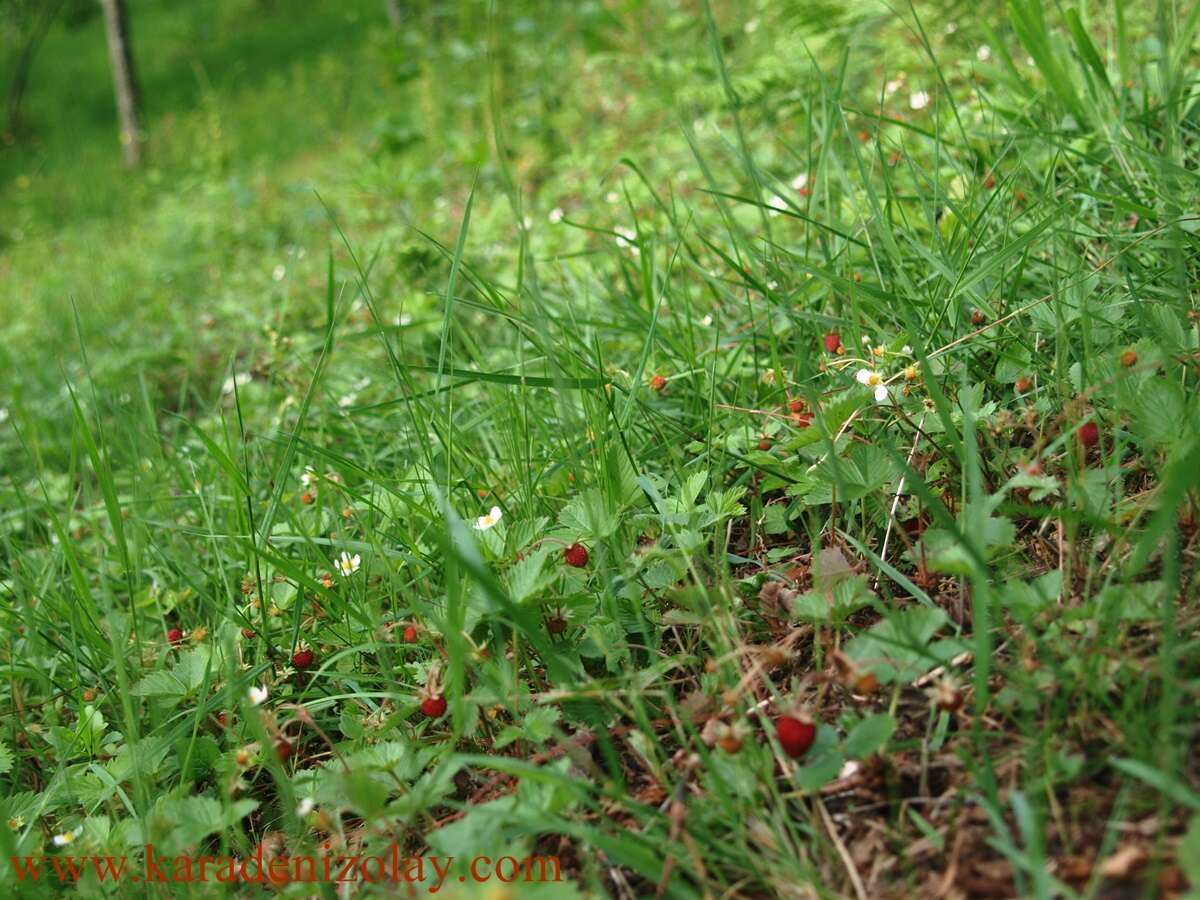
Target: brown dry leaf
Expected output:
[1074,869]
[829,566]
[1124,862]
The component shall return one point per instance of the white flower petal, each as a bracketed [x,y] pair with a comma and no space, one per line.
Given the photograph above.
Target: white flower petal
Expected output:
[305,806]
[483,523]
[919,99]
[881,394]
[258,695]
[864,376]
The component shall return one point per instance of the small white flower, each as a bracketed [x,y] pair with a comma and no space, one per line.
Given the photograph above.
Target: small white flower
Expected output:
[556,215]
[235,380]
[919,99]
[776,205]
[751,26]
[906,350]
[872,379]
[67,837]
[483,523]
[527,223]
[308,477]
[305,806]
[348,564]
[347,400]
[866,340]
[707,320]
[800,182]
[258,694]
[404,320]
[984,53]
[3,415]
[626,240]
[894,85]
[279,272]
[612,197]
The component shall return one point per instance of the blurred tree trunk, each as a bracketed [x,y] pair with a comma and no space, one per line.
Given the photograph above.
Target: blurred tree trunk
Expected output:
[393,11]
[120,54]
[32,22]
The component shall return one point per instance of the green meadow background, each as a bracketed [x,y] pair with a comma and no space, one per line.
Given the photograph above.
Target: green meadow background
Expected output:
[628,271]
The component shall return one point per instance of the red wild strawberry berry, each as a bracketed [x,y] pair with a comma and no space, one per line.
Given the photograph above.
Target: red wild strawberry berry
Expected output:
[832,342]
[797,405]
[576,555]
[410,634]
[989,182]
[1088,434]
[175,636]
[283,750]
[978,317]
[248,633]
[302,659]
[658,383]
[795,735]
[764,444]
[307,498]
[804,419]
[1020,195]
[556,624]
[1128,359]
[434,707]
[1023,385]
